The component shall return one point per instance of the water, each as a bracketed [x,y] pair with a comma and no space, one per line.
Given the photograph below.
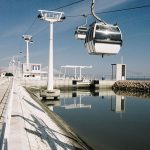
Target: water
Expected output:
[107,121]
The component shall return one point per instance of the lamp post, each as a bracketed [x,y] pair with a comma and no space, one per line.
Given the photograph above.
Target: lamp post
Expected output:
[28,39]
[11,66]
[51,17]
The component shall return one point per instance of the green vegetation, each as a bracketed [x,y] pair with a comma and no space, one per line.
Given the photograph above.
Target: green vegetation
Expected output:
[8,74]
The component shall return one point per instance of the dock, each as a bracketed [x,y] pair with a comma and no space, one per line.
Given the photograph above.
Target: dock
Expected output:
[28,125]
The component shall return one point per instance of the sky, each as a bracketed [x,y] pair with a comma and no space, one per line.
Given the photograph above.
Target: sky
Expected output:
[19,17]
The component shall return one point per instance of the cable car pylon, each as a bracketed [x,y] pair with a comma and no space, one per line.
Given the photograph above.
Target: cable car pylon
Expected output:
[51,17]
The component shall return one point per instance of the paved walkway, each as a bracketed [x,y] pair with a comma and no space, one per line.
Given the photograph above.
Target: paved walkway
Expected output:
[31,128]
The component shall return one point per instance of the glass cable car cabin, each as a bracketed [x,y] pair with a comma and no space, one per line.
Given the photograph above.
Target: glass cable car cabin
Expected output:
[80,32]
[103,39]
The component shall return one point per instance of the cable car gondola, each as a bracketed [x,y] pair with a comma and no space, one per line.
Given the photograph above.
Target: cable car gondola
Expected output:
[102,38]
[81,31]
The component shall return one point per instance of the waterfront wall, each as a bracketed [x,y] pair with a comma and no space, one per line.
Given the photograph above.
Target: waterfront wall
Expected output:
[104,84]
[71,84]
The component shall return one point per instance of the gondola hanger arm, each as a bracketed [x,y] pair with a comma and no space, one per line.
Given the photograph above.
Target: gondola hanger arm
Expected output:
[85,16]
[93,13]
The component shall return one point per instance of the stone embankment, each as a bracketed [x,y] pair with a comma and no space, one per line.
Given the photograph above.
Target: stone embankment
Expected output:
[132,87]
[127,85]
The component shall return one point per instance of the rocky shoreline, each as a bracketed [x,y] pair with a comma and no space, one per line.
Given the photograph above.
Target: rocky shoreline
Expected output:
[132,88]
[132,85]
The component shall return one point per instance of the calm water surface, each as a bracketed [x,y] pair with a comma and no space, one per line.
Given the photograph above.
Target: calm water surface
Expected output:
[107,121]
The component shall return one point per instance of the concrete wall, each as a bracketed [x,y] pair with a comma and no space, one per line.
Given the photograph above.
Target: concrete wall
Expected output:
[105,84]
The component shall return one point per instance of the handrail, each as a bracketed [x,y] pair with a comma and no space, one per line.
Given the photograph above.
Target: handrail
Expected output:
[3,134]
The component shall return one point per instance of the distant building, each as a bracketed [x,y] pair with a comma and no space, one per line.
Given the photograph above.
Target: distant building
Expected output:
[118,71]
[3,71]
[2,74]
[33,70]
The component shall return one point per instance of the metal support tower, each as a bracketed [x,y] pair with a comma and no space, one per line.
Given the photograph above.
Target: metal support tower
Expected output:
[51,17]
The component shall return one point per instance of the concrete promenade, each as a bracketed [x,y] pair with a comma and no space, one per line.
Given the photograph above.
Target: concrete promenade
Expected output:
[31,128]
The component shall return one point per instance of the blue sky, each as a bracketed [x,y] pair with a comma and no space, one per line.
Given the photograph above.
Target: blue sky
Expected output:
[16,17]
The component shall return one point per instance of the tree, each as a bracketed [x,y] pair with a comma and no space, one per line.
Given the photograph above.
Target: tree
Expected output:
[8,74]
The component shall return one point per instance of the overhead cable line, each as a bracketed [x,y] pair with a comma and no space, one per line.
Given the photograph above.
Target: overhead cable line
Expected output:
[81,15]
[113,11]
[31,25]
[35,34]
[68,5]
[125,9]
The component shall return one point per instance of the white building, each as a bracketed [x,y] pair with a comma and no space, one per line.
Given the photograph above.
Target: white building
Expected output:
[33,71]
[119,72]
[2,74]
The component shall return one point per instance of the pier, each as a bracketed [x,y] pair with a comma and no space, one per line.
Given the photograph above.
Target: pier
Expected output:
[27,124]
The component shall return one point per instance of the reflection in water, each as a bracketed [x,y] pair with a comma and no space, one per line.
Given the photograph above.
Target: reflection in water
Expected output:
[70,94]
[75,104]
[94,116]
[51,103]
[118,103]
